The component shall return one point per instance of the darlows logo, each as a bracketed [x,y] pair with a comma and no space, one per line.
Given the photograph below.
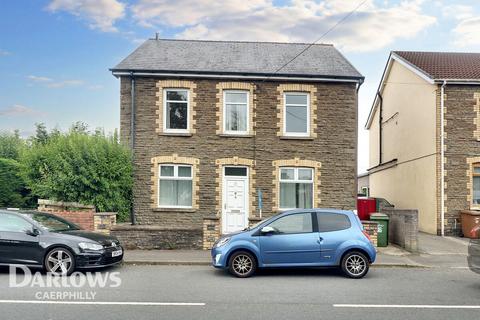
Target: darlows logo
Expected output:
[77,280]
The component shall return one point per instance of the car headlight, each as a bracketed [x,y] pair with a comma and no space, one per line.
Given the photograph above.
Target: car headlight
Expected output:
[222,242]
[90,246]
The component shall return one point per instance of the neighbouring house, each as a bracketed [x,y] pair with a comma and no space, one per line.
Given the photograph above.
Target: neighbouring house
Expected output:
[363,184]
[424,130]
[224,136]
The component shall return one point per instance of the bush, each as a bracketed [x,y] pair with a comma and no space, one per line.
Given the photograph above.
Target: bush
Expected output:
[13,192]
[78,167]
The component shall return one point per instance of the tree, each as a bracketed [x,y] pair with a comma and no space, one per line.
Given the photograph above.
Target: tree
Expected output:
[91,169]
[41,134]
[11,145]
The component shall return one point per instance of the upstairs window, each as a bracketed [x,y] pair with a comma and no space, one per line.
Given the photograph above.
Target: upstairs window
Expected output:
[176,111]
[235,111]
[296,188]
[175,186]
[297,114]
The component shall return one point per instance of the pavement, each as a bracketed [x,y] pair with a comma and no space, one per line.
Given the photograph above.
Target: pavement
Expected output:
[202,292]
[434,252]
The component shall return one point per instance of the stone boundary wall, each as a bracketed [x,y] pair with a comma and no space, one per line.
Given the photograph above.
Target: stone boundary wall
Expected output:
[403,227]
[157,237]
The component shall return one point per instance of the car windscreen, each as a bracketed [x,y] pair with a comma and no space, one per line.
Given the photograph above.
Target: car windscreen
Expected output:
[52,223]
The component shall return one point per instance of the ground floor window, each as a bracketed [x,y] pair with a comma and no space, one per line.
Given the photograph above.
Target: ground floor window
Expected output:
[175,186]
[476,183]
[296,188]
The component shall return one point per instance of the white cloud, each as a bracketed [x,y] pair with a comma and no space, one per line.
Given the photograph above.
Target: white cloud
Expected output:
[372,27]
[39,79]
[4,52]
[20,110]
[100,14]
[467,32]
[51,83]
[458,11]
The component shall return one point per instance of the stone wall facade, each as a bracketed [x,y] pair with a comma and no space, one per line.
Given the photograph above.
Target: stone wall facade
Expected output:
[333,145]
[462,150]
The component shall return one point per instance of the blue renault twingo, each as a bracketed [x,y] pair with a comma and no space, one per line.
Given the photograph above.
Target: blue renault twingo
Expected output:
[298,238]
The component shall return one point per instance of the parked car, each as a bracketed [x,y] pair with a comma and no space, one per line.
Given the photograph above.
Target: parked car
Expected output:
[298,238]
[39,239]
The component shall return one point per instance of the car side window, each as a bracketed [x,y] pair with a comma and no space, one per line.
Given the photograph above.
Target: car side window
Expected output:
[11,223]
[294,223]
[328,221]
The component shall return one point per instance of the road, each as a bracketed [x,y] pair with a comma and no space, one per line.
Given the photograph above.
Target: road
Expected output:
[205,293]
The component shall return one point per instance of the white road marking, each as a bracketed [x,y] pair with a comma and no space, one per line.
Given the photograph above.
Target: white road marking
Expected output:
[108,303]
[406,306]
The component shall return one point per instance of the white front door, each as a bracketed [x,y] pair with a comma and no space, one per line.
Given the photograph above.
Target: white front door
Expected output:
[235,200]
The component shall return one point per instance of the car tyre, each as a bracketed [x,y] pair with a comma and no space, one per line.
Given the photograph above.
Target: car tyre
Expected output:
[59,262]
[242,264]
[355,265]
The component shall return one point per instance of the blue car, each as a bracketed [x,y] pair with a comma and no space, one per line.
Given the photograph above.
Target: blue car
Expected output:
[298,238]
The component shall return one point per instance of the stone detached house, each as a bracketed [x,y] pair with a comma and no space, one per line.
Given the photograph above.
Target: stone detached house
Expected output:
[424,130]
[225,134]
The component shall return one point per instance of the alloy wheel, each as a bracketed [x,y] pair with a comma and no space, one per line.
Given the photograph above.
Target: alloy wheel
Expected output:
[242,264]
[355,264]
[59,262]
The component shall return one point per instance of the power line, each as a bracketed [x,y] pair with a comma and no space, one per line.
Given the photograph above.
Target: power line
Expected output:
[321,37]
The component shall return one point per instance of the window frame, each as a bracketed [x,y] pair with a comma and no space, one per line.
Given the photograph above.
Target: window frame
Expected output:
[308,106]
[295,180]
[176,178]
[224,113]
[165,103]
[474,165]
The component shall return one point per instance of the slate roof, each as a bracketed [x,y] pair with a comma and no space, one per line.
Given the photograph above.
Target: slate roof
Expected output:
[233,57]
[444,65]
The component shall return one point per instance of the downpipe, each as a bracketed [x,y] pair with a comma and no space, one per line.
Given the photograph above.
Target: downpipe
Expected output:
[442,160]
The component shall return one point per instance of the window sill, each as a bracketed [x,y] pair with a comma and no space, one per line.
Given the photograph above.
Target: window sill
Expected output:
[174,209]
[176,134]
[296,138]
[229,135]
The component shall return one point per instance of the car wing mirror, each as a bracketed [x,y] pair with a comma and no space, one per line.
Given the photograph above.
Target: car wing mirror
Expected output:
[33,232]
[267,230]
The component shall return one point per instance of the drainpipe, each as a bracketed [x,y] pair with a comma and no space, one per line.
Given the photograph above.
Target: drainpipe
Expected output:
[380,130]
[132,135]
[442,160]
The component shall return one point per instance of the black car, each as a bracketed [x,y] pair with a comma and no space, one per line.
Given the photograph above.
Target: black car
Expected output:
[39,239]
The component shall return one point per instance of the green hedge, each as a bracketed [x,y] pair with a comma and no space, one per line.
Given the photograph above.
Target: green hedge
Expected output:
[78,167]
[13,191]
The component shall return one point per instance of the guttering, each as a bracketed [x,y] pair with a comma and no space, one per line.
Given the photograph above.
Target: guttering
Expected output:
[132,134]
[235,76]
[442,161]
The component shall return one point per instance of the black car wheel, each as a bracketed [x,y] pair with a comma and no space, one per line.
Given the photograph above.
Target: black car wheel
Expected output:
[60,261]
[355,265]
[242,264]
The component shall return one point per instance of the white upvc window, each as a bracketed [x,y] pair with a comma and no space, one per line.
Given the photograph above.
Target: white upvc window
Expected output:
[476,184]
[235,112]
[176,111]
[296,114]
[175,186]
[296,188]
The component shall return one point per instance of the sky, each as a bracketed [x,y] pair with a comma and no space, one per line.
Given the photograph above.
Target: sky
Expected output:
[55,55]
